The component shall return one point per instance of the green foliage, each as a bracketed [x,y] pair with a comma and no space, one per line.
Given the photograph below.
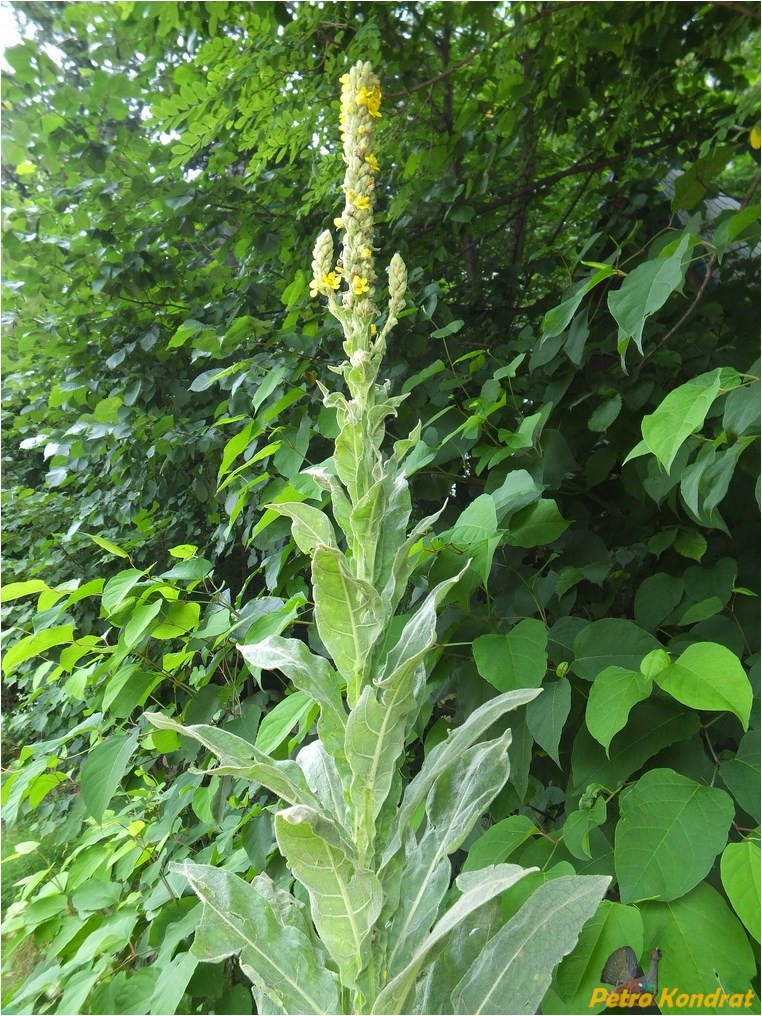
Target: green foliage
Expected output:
[166,168]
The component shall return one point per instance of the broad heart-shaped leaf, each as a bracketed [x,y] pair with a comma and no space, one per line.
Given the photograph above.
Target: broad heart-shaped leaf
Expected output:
[704,947]
[680,414]
[103,769]
[446,754]
[475,533]
[654,725]
[346,900]
[348,613]
[478,888]
[578,826]
[611,642]
[547,715]
[739,869]
[670,830]
[451,814]
[644,291]
[516,660]
[741,775]
[309,526]
[311,674]
[263,926]
[513,971]
[613,694]
[709,676]
[536,525]
[239,758]
[612,925]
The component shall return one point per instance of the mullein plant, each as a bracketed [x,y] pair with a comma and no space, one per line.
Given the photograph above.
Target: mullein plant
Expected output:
[385,929]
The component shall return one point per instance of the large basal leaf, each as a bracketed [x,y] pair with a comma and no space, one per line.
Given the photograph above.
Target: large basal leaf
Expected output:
[740,871]
[709,676]
[103,769]
[613,694]
[309,673]
[346,900]
[513,971]
[348,613]
[239,919]
[704,947]
[478,888]
[612,925]
[444,755]
[670,830]
[516,660]
[239,758]
[450,816]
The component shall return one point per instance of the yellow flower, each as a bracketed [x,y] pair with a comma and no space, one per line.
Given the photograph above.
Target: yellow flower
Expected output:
[370,97]
[330,280]
[362,202]
[372,162]
[359,285]
[365,252]
[373,330]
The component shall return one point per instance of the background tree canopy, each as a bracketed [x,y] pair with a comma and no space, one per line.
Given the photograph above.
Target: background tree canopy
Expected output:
[573,188]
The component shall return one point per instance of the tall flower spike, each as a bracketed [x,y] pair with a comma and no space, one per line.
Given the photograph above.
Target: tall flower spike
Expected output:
[354,275]
[360,102]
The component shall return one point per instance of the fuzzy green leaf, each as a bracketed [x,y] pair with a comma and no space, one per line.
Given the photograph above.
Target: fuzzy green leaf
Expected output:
[240,918]
[513,971]
[346,900]
[478,890]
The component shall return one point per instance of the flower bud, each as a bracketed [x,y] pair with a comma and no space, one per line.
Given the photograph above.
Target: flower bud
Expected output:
[397,281]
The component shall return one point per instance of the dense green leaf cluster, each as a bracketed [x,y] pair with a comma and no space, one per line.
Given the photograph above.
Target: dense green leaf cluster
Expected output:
[580,345]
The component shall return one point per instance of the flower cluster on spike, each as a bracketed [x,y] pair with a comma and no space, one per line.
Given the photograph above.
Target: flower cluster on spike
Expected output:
[349,283]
